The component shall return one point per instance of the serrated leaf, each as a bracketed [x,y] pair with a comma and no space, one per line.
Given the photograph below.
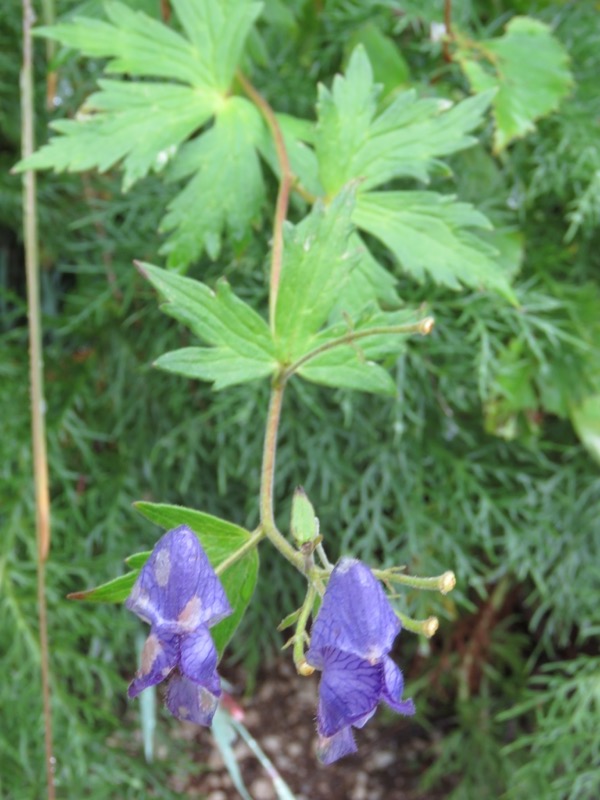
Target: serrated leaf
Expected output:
[218,32]
[316,263]
[219,539]
[389,67]
[243,346]
[368,284]
[135,43]
[219,365]
[353,365]
[433,234]
[407,139]
[226,192]
[529,68]
[138,122]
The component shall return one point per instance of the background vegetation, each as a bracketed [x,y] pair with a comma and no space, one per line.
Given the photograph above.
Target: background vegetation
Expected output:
[478,464]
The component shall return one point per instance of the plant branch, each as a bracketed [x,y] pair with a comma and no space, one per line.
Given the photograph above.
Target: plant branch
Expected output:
[252,542]
[283,195]
[267,516]
[302,666]
[423,326]
[425,627]
[38,428]
[448,35]
[442,583]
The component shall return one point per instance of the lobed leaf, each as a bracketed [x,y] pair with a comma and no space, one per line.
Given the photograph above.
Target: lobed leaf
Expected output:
[143,123]
[226,192]
[140,124]
[433,234]
[527,66]
[219,365]
[244,348]
[406,140]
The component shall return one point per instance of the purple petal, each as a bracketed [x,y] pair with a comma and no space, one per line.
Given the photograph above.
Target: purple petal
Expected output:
[330,748]
[190,702]
[199,659]
[356,615]
[393,688]
[159,657]
[177,588]
[348,693]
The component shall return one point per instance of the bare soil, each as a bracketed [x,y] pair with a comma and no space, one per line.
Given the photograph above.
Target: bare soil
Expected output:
[393,751]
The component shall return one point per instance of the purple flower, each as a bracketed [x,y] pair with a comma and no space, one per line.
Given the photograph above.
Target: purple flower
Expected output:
[350,642]
[179,595]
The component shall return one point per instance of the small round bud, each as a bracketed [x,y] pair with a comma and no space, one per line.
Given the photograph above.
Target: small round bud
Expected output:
[447,582]
[304,668]
[430,626]
[426,325]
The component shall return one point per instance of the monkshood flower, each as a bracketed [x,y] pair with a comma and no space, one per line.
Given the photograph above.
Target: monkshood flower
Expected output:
[350,642]
[179,595]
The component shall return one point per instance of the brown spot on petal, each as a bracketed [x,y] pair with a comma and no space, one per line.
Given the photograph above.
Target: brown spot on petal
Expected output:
[190,613]
[152,649]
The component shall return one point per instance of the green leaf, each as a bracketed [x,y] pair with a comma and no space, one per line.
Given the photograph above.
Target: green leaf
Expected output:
[434,234]
[244,348]
[406,140]
[114,591]
[143,123]
[389,67]
[316,263]
[353,365]
[219,539]
[226,192]
[586,420]
[140,124]
[368,284]
[135,43]
[219,365]
[529,68]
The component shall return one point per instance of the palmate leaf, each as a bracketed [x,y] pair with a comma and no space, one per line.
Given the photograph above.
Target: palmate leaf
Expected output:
[226,191]
[527,66]
[243,348]
[219,539]
[143,124]
[434,234]
[140,124]
[406,140]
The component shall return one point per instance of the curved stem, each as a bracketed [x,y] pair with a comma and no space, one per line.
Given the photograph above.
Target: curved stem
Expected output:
[252,542]
[283,195]
[425,627]
[298,652]
[442,583]
[423,326]
[267,515]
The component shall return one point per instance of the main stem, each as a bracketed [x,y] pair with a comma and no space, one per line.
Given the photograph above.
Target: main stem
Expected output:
[283,195]
[267,514]
[38,431]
